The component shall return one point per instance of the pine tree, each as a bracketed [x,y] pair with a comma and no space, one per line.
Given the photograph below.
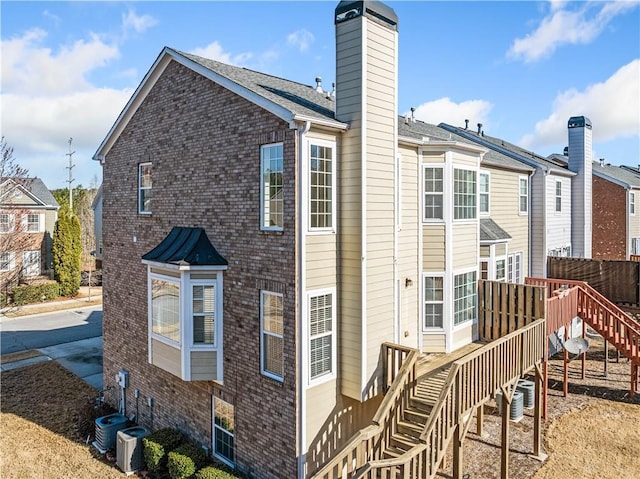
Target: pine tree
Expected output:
[67,252]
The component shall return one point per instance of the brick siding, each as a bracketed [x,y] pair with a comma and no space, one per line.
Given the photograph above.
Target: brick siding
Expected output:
[609,220]
[204,144]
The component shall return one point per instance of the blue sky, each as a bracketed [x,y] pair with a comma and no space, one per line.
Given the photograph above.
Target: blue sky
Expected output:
[519,68]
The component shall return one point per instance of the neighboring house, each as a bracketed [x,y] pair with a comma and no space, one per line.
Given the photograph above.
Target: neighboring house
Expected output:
[559,203]
[28,214]
[96,206]
[616,217]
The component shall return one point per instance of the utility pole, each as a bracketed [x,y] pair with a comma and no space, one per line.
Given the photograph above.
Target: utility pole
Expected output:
[70,180]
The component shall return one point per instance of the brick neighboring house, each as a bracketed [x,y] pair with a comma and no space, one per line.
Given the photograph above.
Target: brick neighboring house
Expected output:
[28,214]
[616,218]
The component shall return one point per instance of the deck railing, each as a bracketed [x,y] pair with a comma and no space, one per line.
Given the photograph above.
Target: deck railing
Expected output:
[472,380]
[368,443]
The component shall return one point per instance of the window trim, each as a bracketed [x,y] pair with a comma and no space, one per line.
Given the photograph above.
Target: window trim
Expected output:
[632,203]
[262,188]
[214,427]
[202,282]
[425,219]
[514,259]
[433,329]
[11,261]
[157,336]
[487,193]
[38,264]
[10,223]
[331,375]
[473,320]
[27,223]
[264,332]
[140,187]
[521,195]
[558,197]
[327,144]
[474,195]
[503,279]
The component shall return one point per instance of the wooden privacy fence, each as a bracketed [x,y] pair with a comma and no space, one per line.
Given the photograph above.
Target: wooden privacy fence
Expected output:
[506,307]
[619,281]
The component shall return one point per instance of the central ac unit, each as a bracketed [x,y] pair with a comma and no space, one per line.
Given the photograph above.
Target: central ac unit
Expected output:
[129,447]
[106,429]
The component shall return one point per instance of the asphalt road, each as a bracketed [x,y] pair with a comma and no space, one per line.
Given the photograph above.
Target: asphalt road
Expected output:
[50,329]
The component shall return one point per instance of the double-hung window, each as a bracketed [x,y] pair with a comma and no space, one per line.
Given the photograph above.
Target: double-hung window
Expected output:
[6,223]
[433,301]
[271,187]
[464,297]
[321,186]
[272,321]
[223,430]
[483,187]
[144,188]
[558,196]
[7,261]
[433,193]
[514,268]
[32,224]
[632,203]
[523,195]
[500,269]
[321,335]
[464,194]
[203,298]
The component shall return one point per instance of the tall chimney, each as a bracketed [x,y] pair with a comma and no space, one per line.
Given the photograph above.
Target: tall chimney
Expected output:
[580,162]
[366,98]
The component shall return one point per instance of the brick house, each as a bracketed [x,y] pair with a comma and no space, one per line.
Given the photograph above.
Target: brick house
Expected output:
[262,238]
[616,219]
[28,214]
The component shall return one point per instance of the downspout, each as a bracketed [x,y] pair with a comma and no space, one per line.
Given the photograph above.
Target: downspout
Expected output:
[544,215]
[302,304]
[628,221]
[530,222]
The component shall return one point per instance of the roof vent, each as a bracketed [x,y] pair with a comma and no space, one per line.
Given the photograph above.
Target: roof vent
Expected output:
[413,118]
[466,124]
[479,128]
[566,151]
[319,85]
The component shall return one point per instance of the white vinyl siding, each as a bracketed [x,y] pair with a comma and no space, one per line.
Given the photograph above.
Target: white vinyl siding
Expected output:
[144,188]
[464,194]
[433,193]
[321,186]
[271,186]
[272,340]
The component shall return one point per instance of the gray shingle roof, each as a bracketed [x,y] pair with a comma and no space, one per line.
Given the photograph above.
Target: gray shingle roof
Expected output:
[37,188]
[619,173]
[418,129]
[491,231]
[298,98]
[509,149]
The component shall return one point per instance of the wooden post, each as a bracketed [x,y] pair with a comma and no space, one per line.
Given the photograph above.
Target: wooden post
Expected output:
[565,354]
[545,388]
[479,419]
[537,416]
[584,355]
[606,356]
[504,453]
[457,452]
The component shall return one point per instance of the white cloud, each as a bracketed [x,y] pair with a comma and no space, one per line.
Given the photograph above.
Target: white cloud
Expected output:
[54,18]
[215,51]
[567,27]
[613,107]
[444,110]
[301,39]
[137,23]
[30,67]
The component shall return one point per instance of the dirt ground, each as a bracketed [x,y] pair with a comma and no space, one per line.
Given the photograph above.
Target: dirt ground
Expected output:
[593,433]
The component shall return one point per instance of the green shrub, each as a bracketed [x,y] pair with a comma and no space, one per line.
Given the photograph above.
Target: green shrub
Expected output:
[214,472]
[184,461]
[157,445]
[33,293]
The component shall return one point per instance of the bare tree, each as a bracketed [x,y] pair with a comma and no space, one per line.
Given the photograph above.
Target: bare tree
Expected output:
[13,237]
